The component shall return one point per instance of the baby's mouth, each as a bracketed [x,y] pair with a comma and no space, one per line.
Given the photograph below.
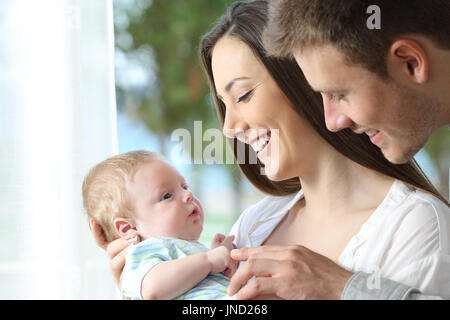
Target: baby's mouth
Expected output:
[194,212]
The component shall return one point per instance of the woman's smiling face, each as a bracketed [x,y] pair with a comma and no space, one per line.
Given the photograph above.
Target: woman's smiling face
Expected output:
[256,109]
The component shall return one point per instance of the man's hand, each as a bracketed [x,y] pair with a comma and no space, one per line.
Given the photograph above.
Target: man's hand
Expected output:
[288,272]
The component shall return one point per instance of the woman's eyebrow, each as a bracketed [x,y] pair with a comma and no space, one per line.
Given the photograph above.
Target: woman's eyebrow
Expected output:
[230,84]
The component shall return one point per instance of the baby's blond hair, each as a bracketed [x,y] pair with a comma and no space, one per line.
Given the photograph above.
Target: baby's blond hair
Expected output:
[105,196]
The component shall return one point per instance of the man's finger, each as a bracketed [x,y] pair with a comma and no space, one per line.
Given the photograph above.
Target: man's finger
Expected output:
[261,286]
[233,269]
[263,252]
[253,267]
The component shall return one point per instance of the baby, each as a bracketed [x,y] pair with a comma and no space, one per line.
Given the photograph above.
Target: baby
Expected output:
[138,193]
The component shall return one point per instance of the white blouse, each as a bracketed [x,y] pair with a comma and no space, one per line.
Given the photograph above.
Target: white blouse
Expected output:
[406,239]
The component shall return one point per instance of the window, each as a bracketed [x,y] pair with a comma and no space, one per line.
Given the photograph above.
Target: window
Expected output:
[58,118]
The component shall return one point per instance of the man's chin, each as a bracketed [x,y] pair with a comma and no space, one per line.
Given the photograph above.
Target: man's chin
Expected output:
[398,155]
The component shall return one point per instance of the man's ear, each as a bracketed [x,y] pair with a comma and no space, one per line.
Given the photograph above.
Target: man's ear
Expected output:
[408,58]
[125,228]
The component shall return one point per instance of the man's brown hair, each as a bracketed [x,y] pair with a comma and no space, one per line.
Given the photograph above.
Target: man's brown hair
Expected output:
[297,24]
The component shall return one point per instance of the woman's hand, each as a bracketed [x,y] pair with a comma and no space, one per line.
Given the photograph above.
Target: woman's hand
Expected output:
[288,272]
[115,250]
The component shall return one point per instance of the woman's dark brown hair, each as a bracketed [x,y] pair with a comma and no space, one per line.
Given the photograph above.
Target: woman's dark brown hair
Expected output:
[246,21]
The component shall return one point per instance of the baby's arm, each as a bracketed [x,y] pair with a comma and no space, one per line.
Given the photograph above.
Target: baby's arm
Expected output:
[170,279]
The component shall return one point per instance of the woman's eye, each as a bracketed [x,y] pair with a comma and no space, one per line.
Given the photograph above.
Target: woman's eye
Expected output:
[245,96]
[166,196]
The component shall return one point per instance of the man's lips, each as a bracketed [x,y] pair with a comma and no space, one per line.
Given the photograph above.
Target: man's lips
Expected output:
[376,137]
[368,131]
[374,134]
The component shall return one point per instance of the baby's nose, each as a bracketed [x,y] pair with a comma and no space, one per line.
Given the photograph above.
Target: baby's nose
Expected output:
[188,196]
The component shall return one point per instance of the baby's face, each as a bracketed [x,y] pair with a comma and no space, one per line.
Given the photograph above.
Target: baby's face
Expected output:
[164,205]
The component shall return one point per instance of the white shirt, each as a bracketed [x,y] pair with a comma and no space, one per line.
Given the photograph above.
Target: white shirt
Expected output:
[406,239]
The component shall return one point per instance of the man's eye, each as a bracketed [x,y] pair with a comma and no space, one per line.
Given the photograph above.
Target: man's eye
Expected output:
[245,96]
[336,97]
[166,196]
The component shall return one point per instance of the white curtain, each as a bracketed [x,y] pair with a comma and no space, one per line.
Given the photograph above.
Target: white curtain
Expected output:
[57,119]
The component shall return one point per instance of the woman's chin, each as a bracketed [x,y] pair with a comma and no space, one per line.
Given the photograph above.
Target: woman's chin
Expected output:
[274,175]
[272,172]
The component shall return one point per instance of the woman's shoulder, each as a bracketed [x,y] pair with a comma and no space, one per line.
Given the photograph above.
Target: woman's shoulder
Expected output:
[425,216]
[407,198]
[424,205]
[265,209]
[268,206]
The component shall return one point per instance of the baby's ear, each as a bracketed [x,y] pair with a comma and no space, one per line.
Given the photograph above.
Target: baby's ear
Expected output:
[125,228]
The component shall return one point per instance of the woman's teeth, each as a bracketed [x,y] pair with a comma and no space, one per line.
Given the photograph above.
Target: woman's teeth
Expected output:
[260,143]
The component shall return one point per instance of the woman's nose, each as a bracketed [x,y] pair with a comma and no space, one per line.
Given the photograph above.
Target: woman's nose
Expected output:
[234,126]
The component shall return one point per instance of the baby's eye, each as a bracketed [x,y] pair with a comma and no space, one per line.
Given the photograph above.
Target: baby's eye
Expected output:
[185,187]
[166,196]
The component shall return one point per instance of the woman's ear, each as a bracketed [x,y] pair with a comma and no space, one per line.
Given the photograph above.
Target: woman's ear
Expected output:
[408,58]
[125,228]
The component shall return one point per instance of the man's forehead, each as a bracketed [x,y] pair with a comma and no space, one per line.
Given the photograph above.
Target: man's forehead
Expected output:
[320,51]
[324,68]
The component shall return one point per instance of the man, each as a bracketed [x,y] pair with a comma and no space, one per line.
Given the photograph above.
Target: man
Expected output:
[389,79]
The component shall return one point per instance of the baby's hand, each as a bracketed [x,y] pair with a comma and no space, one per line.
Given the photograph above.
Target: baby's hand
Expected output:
[217,240]
[222,240]
[219,259]
[219,256]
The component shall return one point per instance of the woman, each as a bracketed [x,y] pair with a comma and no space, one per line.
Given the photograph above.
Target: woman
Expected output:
[333,194]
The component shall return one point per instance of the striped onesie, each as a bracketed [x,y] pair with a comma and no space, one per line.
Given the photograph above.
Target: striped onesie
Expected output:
[148,253]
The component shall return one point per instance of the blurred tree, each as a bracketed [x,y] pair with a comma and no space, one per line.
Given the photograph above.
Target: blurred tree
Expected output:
[170,31]
[438,147]
[164,35]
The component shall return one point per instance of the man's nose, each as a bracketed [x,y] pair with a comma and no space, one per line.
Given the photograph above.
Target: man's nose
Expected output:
[335,119]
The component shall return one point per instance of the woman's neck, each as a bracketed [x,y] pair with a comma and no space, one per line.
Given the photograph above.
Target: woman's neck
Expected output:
[340,186]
